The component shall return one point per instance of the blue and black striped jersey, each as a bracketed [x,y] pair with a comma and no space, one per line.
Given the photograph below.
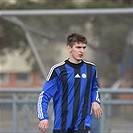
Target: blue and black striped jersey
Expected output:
[73,88]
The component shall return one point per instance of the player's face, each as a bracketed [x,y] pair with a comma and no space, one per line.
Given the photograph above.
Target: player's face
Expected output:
[77,52]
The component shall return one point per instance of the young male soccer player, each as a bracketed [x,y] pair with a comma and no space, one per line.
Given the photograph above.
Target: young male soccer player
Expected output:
[73,86]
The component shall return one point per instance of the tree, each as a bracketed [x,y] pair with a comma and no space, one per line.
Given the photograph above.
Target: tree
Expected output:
[102,26]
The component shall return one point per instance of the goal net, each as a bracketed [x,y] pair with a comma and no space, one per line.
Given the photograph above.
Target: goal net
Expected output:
[109,33]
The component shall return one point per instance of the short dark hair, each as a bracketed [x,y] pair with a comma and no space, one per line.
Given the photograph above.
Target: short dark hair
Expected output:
[75,37]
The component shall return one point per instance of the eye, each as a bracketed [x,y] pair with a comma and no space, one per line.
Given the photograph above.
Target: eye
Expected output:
[84,47]
[78,47]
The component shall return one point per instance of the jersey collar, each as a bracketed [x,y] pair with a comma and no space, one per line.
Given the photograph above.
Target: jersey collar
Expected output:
[76,66]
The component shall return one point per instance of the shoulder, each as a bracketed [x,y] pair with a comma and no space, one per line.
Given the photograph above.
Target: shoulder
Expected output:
[52,72]
[89,63]
[57,65]
[93,66]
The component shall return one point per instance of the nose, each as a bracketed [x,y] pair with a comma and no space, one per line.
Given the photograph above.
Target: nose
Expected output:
[82,50]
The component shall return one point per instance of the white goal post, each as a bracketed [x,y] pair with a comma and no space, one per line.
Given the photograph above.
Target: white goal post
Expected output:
[66,11]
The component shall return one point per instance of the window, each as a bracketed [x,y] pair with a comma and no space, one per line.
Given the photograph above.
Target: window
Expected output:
[3,78]
[23,77]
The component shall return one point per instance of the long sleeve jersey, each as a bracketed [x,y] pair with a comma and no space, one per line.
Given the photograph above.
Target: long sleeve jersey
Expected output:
[73,88]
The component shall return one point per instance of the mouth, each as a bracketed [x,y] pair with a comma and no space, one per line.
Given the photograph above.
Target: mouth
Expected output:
[80,55]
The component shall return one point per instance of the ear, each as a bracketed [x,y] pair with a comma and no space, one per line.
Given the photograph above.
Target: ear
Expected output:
[69,48]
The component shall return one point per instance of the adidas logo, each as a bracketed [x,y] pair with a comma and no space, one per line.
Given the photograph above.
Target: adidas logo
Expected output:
[77,76]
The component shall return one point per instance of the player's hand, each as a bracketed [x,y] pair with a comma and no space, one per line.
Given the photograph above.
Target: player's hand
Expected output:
[97,110]
[43,126]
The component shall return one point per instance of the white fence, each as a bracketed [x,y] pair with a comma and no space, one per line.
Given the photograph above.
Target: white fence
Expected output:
[18,111]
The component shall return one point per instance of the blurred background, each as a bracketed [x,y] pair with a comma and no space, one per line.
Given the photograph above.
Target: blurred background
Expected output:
[33,38]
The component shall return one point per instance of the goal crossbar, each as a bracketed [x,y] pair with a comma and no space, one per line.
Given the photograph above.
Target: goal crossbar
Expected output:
[66,11]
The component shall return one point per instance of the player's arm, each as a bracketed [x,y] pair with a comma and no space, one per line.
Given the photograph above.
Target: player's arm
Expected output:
[95,97]
[48,91]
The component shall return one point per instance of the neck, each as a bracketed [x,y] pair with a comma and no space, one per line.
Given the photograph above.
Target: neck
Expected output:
[75,61]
